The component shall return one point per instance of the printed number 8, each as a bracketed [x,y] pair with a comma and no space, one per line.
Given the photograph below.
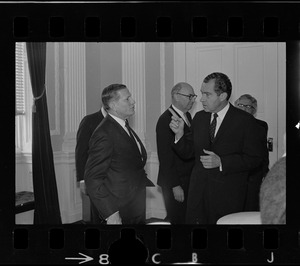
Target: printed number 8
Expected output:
[104,259]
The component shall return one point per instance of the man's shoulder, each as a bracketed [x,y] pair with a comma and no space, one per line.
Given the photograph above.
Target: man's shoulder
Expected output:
[164,117]
[97,116]
[201,114]
[262,123]
[239,113]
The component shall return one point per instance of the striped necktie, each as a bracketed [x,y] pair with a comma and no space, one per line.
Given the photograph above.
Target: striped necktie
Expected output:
[212,128]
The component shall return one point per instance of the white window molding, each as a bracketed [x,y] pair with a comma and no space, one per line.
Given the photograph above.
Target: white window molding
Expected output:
[23,119]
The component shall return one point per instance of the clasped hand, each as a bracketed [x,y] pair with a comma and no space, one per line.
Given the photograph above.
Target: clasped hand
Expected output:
[211,160]
[178,193]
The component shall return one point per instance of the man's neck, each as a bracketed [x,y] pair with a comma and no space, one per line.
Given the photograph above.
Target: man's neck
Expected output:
[179,108]
[221,107]
[115,114]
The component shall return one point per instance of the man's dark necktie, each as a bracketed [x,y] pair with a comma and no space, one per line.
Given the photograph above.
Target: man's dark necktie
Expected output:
[212,127]
[129,130]
[135,138]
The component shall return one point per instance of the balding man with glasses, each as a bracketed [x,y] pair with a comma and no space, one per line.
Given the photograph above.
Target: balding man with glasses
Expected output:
[174,172]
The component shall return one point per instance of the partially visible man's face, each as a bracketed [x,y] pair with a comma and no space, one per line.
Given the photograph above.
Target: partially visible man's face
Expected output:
[245,105]
[124,106]
[185,102]
[210,100]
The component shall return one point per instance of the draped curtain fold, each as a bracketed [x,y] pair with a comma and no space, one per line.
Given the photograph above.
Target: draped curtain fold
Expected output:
[44,181]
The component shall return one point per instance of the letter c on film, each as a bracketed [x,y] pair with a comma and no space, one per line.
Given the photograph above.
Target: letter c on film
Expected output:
[153,258]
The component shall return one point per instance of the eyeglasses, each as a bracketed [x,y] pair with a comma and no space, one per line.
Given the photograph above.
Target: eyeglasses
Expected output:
[245,105]
[190,96]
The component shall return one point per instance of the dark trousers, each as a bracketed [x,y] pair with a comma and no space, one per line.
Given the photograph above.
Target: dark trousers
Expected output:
[175,209]
[134,212]
[252,198]
[95,218]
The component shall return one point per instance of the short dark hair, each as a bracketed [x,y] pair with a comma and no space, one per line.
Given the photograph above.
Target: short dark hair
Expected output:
[222,83]
[109,93]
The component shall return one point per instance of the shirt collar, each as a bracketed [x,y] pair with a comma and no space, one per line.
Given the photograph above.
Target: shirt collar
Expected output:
[119,120]
[222,113]
[104,113]
[178,111]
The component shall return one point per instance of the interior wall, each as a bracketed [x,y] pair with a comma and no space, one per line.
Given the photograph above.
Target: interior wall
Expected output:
[103,62]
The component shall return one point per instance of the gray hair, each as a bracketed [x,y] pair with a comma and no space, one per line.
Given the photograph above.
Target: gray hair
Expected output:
[111,93]
[250,98]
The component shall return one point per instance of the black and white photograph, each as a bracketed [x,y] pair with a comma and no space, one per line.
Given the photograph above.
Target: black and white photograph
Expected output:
[169,133]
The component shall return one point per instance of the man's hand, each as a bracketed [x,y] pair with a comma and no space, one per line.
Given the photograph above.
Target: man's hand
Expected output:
[178,193]
[211,160]
[176,124]
[114,219]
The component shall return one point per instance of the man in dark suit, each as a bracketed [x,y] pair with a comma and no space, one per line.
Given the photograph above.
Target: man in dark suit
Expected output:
[85,130]
[114,174]
[174,172]
[225,150]
[248,103]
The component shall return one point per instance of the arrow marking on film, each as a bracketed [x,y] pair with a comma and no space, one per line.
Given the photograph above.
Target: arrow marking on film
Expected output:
[85,259]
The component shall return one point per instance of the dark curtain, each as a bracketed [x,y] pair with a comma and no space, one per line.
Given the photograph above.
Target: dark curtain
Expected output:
[43,173]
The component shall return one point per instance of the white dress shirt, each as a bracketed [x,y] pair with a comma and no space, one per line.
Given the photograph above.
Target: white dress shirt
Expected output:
[221,115]
[182,115]
[122,124]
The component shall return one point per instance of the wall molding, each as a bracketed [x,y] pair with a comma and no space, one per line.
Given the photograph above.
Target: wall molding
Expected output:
[133,76]
[162,53]
[74,91]
[56,130]
[179,62]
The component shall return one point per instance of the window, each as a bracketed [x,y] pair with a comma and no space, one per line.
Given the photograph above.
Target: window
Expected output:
[23,119]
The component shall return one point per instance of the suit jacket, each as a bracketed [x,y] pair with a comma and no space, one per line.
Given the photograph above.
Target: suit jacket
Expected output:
[214,193]
[114,170]
[259,172]
[265,166]
[86,128]
[173,170]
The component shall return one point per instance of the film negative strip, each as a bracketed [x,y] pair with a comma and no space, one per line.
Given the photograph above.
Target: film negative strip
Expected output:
[161,29]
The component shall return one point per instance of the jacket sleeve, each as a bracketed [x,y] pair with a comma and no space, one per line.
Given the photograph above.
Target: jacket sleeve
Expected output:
[81,149]
[165,139]
[185,146]
[96,177]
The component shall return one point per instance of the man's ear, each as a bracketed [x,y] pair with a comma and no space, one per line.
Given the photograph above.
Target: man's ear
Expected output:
[112,105]
[223,96]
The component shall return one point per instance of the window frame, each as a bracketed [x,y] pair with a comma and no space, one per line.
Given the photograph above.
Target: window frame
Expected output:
[23,119]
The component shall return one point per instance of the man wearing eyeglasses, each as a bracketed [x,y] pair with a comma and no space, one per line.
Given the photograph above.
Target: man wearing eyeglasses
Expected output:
[225,150]
[174,172]
[248,103]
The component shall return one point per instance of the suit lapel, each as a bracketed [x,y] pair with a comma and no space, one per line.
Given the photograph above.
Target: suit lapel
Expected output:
[143,150]
[125,134]
[188,115]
